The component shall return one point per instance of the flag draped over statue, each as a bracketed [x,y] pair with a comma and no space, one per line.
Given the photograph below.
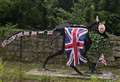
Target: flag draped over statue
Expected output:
[75,45]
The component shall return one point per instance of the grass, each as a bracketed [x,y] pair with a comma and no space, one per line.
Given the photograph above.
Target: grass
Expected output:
[28,66]
[59,79]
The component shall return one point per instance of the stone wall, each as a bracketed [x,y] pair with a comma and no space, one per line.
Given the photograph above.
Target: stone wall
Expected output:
[116,46]
[33,49]
[37,48]
[115,41]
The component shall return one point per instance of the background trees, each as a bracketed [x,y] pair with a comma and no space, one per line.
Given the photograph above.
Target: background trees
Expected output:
[46,14]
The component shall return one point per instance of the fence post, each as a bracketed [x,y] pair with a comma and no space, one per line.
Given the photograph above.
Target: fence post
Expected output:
[20,60]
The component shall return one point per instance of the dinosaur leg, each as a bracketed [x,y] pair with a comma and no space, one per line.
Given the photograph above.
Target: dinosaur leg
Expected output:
[92,68]
[50,57]
[77,70]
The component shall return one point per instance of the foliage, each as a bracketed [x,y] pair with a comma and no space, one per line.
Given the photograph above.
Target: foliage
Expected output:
[1,68]
[7,29]
[94,78]
[108,11]
[46,14]
[8,74]
[80,12]
[85,11]
[29,14]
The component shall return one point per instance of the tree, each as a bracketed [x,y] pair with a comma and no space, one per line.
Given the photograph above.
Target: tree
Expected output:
[80,12]
[46,14]
[85,11]
[31,14]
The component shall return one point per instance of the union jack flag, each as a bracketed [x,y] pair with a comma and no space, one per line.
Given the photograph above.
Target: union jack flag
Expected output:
[102,60]
[75,44]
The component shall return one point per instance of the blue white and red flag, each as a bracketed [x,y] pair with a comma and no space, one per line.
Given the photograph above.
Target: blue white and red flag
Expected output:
[75,45]
[102,60]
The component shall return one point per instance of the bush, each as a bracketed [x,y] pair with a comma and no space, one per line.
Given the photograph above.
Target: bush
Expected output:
[8,75]
[7,29]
